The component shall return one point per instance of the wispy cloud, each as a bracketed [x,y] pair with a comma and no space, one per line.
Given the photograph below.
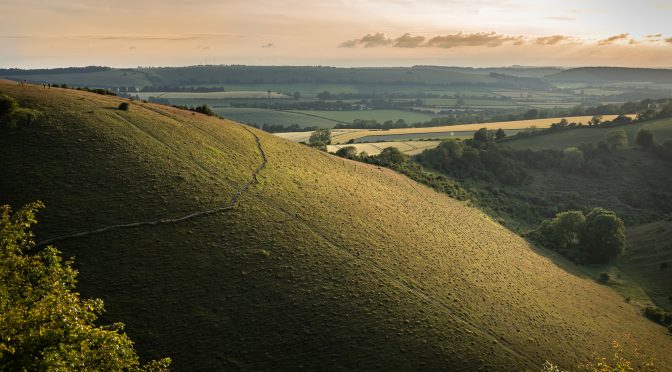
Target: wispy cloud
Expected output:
[269,45]
[490,39]
[460,39]
[408,41]
[613,39]
[368,41]
[553,39]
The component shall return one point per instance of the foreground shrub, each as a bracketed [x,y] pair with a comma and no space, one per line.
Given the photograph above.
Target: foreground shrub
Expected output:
[44,324]
[124,106]
[7,106]
[622,359]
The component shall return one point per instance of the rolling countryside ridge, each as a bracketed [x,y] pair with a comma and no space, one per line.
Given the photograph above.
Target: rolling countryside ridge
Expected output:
[368,185]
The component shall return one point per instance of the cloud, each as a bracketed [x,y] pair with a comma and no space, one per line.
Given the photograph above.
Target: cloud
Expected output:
[349,44]
[269,45]
[408,41]
[613,39]
[552,40]
[132,48]
[375,40]
[368,41]
[490,39]
[656,36]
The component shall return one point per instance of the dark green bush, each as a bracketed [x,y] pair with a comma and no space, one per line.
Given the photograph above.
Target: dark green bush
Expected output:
[124,106]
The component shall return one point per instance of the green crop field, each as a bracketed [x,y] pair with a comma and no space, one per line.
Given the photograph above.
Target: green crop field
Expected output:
[207,96]
[263,116]
[319,263]
[662,130]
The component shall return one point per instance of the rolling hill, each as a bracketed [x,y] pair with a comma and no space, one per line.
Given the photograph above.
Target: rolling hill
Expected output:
[223,75]
[606,75]
[236,249]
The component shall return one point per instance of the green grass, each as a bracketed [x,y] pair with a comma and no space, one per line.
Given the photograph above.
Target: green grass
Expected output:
[324,264]
[264,116]
[649,260]
[662,130]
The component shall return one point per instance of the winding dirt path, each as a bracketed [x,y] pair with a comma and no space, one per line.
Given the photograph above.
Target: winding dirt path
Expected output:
[230,205]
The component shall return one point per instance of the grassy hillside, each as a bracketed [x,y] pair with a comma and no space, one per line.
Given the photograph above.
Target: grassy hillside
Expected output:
[649,259]
[661,128]
[323,263]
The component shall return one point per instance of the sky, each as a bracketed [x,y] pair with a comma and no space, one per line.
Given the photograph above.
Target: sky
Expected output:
[478,33]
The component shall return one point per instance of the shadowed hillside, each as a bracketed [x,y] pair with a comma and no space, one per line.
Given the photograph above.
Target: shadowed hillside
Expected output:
[321,263]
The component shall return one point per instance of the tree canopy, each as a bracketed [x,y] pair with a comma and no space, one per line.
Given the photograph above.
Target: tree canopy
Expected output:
[44,324]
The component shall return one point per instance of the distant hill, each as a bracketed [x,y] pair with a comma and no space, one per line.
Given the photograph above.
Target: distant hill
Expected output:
[322,263]
[604,75]
[222,75]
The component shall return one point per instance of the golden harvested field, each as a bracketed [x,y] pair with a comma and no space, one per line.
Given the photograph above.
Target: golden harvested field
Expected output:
[518,124]
[343,136]
[408,147]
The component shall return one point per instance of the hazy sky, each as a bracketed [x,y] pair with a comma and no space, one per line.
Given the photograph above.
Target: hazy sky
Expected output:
[128,33]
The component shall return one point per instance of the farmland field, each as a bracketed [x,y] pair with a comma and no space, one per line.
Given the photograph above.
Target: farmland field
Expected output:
[245,94]
[378,115]
[408,147]
[264,116]
[424,132]
[662,130]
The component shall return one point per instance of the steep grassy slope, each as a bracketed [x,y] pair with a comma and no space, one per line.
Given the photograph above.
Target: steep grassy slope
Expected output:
[323,262]
[649,260]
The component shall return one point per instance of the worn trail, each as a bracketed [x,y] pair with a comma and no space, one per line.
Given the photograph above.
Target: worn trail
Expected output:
[230,205]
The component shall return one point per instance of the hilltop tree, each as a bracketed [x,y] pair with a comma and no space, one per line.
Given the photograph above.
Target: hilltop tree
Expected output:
[481,135]
[44,324]
[563,231]
[500,134]
[321,135]
[644,138]
[391,156]
[124,106]
[616,139]
[603,239]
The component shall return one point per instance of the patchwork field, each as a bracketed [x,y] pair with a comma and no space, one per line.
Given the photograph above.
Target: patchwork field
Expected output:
[370,271]
[341,137]
[212,95]
[408,147]
[263,116]
[378,115]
